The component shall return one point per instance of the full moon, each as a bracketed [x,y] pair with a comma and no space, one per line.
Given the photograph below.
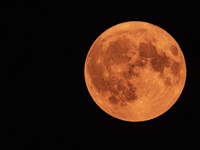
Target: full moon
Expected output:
[135,71]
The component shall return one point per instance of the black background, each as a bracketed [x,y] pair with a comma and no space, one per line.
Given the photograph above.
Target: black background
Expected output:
[44,100]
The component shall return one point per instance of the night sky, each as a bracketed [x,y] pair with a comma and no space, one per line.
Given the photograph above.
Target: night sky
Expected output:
[44,100]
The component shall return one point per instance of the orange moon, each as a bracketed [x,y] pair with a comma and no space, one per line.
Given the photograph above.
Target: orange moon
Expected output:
[135,71]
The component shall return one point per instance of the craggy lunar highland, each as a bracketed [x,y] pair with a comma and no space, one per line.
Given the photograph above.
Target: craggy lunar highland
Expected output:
[135,71]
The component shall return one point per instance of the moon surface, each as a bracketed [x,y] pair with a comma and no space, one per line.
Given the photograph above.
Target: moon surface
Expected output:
[135,71]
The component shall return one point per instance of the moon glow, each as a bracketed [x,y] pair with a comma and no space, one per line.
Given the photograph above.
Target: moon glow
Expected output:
[135,71]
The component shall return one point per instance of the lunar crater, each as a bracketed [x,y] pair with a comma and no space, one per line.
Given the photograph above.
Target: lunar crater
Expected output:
[174,50]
